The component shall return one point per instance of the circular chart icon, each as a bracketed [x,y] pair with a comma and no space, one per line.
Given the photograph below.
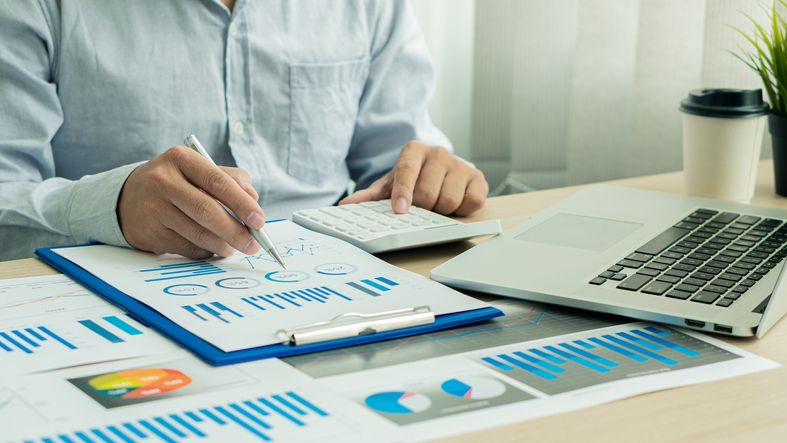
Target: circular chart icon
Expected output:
[335,269]
[186,289]
[139,383]
[473,388]
[398,402]
[237,283]
[287,276]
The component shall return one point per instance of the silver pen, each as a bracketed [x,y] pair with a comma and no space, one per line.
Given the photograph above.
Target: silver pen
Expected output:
[260,235]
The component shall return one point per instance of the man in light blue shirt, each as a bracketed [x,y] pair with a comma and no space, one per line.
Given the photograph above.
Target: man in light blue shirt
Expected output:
[296,98]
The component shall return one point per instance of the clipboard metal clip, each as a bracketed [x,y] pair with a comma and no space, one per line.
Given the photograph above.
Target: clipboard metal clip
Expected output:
[355,324]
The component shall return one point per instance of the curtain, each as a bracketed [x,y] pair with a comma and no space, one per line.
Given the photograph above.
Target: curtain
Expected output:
[545,93]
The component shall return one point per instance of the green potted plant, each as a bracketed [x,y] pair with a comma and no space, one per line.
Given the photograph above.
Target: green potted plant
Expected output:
[767,56]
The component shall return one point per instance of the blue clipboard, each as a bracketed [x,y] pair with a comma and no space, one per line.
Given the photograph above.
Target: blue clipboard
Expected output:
[215,356]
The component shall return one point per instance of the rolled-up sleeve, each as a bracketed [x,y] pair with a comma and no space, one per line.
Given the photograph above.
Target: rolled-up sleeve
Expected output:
[37,208]
[394,106]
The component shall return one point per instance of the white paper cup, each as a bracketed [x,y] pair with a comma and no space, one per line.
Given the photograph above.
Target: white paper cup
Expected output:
[722,138]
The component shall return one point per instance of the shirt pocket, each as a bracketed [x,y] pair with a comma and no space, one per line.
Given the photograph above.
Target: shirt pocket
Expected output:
[324,100]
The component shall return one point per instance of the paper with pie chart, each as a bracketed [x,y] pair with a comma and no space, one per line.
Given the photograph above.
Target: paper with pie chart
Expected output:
[243,301]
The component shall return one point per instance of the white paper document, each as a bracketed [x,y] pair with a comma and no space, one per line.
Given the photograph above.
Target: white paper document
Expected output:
[177,398]
[535,361]
[243,301]
[52,322]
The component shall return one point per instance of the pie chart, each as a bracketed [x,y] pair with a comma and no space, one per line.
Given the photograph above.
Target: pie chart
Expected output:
[398,402]
[473,388]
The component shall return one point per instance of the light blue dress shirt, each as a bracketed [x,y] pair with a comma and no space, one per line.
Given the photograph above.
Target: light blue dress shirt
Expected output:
[304,95]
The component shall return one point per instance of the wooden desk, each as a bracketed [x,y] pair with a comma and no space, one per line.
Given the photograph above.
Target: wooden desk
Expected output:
[744,409]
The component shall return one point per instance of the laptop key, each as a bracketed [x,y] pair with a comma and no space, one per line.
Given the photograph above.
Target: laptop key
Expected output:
[705,297]
[725,302]
[694,282]
[723,283]
[749,282]
[615,268]
[691,262]
[657,266]
[705,211]
[724,259]
[702,275]
[663,241]
[598,281]
[668,279]
[630,264]
[733,295]
[684,267]
[716,289]
[648,272]
[676,273]
[674,255]
[687,288]
[740,289]
[725,217]
[710,270]
[664,260]
[606,274]
[637,256]
[635,282]
[618,277]
[678,294]
[748,220]
[656,288]
[686,225]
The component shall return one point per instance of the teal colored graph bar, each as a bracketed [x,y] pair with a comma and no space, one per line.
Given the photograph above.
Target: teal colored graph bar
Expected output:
[95,327]
[122,325]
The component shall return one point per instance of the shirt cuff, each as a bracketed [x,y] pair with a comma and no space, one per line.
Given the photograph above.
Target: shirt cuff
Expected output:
[92,213]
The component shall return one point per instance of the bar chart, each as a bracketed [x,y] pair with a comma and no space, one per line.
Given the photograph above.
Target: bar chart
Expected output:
[295,299]
[32,339]
[579,361]
[278,417]
[176,271]
[113,330]
[213,311]
[375,287]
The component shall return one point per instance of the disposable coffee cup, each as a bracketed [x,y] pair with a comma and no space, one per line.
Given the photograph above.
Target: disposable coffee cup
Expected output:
[722,139]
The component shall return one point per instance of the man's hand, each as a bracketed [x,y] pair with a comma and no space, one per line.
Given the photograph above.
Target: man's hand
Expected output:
[169,205]
[431,178]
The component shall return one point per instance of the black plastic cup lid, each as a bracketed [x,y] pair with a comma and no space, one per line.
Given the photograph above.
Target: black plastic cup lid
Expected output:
[725,103]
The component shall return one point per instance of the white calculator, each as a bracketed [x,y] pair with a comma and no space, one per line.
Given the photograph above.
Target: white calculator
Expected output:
[374,227]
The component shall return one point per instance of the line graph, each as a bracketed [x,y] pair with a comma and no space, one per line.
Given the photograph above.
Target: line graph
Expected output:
[523,321]
[289,248]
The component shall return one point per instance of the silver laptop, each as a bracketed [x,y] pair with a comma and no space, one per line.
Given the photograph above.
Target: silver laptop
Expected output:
[698,263]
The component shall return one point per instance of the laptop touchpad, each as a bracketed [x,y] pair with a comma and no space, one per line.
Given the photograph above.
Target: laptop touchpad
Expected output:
[578,231]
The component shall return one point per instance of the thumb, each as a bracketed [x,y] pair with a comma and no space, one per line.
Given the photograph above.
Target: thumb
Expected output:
[379,190]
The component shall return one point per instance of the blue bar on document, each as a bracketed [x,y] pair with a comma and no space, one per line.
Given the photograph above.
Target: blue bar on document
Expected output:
[13,341]
[122,325]
[668,344]
[529,368]
[25,338]
[362,289]
[306,403]
[584,344]
[375,285]
[281,412]
[656,331]
[62,341]
[577,359]
[588,355]
[547,356]
[225,308]
[497,364]
[387,281]
[35,334]
[250,416]
[543,364]
[619,350]
[640,341]
[641,350]
[326,289]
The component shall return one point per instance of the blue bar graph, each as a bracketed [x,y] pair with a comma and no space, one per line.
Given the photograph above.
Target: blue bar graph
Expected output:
[122,325]
[95,327]
[181,270]
[613,354]
[213,310]
[260,418]
[294,299]
[30,340]
[373,286]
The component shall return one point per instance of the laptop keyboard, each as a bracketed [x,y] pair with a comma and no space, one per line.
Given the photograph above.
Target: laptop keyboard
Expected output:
[708,257]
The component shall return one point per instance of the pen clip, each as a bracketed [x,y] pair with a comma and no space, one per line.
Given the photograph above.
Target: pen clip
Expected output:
[356,324]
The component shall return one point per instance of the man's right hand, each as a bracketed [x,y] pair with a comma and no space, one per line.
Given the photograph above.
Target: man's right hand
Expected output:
[171,205]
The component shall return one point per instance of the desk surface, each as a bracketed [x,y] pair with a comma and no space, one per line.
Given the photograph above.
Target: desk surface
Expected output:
[749,408]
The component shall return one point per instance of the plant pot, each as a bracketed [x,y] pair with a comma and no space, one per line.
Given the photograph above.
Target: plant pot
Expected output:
[777,125]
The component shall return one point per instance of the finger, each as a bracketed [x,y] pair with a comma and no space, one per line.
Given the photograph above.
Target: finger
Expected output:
[453,191]
[176,244]
[207,212]
[187,228]
[475,195]
[430,182]
[405,175]
[218,184]
[244,180]
[379,190]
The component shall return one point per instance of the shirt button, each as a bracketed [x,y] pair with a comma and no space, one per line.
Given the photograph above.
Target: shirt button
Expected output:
[233,29]
[239,128]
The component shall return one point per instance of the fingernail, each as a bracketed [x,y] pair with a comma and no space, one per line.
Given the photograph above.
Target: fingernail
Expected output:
[401,205]
[255,220]
[251,247]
